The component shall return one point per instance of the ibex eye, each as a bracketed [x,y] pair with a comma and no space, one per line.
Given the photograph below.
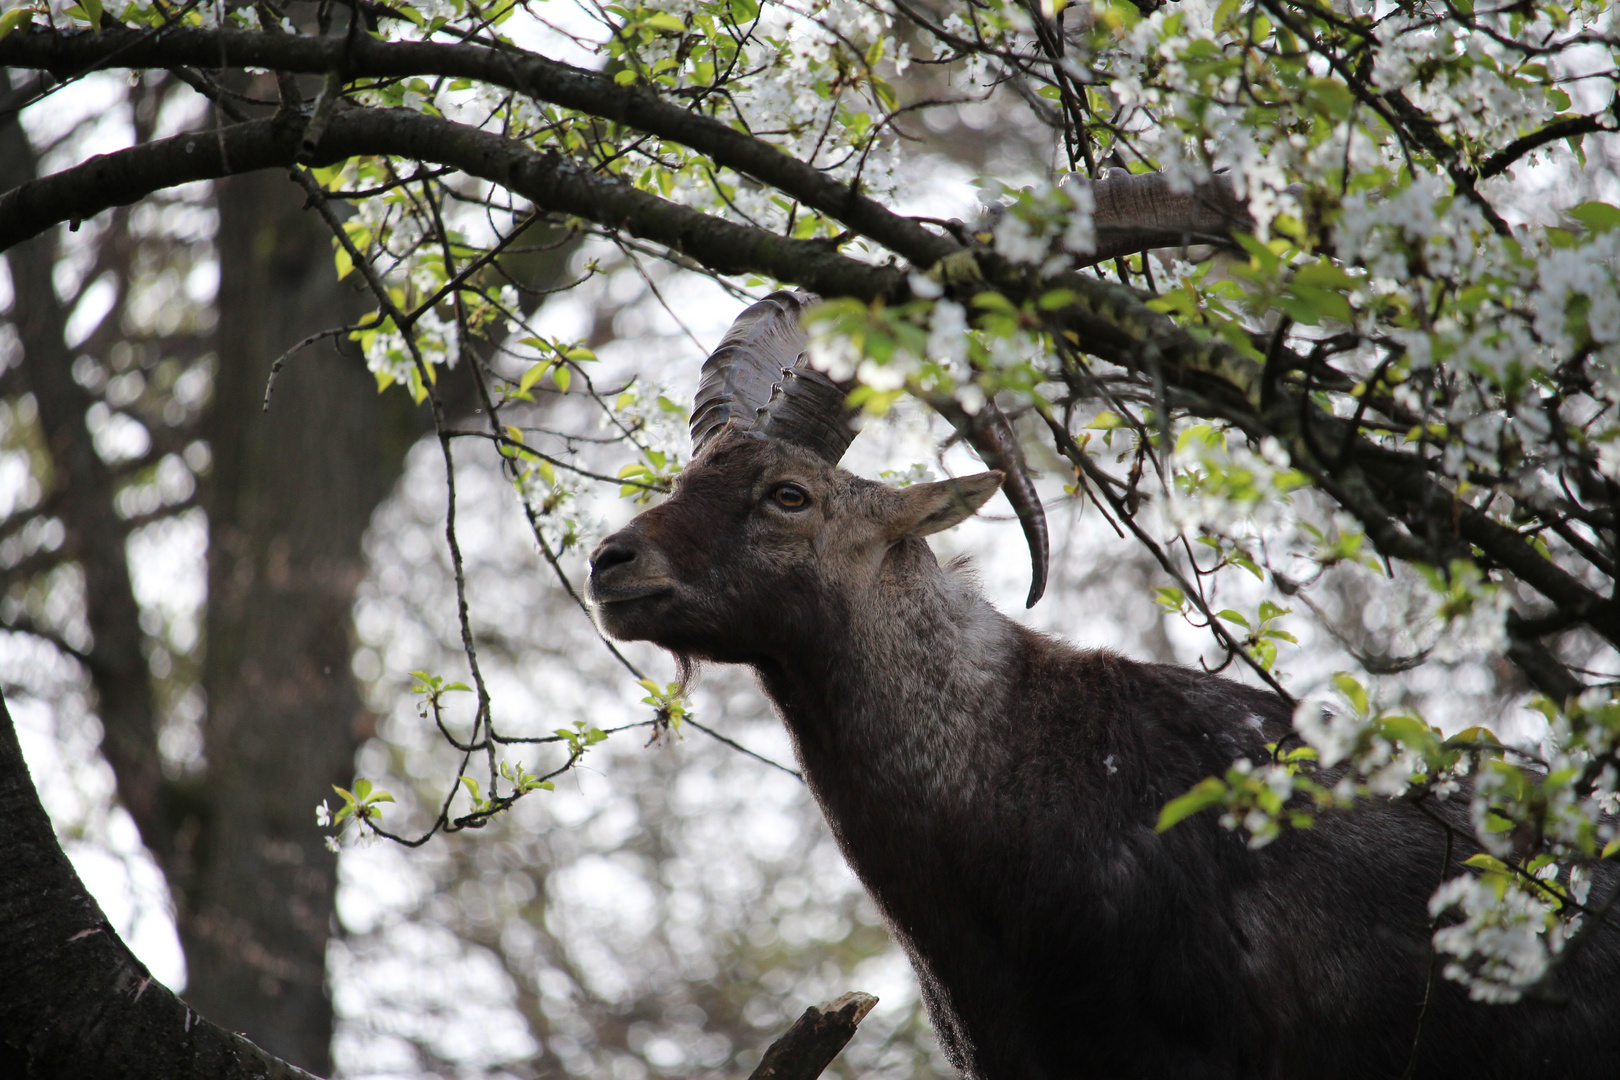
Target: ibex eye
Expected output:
[791,497]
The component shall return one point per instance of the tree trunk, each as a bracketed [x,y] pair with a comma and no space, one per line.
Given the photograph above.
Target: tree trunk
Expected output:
[291,494]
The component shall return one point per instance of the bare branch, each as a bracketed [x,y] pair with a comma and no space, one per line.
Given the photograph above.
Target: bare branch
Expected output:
[553,183]
[809,1046]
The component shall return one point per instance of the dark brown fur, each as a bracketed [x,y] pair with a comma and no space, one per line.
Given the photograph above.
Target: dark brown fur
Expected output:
[996,792]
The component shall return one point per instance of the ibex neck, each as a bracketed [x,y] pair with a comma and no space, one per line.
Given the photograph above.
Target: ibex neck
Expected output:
[905,699]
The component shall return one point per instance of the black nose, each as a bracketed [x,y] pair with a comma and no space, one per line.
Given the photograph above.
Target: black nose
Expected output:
[610,555]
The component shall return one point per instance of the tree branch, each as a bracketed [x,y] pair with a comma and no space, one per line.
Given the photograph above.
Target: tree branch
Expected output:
[525,72]
[1567,128]
[23,624]
[806,1049]
[551,182]
[75,1001]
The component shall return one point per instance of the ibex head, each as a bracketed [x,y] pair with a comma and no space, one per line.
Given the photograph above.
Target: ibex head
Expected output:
[762,545]
[765,539]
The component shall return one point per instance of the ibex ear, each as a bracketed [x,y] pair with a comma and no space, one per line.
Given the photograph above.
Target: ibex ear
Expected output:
[930,508]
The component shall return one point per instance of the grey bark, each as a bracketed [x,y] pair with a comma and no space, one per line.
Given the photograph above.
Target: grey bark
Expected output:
[74,1001]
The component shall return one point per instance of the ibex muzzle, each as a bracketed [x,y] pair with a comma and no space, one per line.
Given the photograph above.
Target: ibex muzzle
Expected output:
[996,790]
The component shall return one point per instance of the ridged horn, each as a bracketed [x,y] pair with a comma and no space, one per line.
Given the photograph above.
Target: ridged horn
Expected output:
[760,379]
[990,434]
[1143,211]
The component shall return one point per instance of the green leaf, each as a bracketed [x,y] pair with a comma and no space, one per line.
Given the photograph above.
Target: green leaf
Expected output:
[1597,216]
[92,10]
[562,377]
[1208,792]
[1409,730]
[1233,617]
[1264,258]
[991,300]
[1170,597]
[1489,863]
[1332,97]
[1475,734]
[532,376]
[1240,559]
[1577,144]
[362,788]
[14,18]
[666,23]
[1512,778]
[627,77]
[1610,848]
[1353,691]
[419,393]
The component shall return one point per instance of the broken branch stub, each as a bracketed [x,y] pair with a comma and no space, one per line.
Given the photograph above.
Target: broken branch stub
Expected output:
[815,1038]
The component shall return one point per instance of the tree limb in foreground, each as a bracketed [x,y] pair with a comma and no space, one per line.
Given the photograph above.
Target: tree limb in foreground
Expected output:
[75,1001]
[1113,320]
[551,182]
[1133,213]
[528,73]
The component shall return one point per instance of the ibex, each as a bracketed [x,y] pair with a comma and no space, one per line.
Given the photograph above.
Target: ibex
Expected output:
[996,790]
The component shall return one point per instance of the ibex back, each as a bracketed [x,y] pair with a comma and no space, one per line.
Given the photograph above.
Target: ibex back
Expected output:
[996,791]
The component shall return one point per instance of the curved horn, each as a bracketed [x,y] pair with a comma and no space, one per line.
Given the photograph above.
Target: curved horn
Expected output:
[1137,212]
[760,380]
[992,436]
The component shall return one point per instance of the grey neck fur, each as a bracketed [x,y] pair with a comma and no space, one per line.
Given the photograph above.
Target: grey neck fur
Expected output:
[897,717]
